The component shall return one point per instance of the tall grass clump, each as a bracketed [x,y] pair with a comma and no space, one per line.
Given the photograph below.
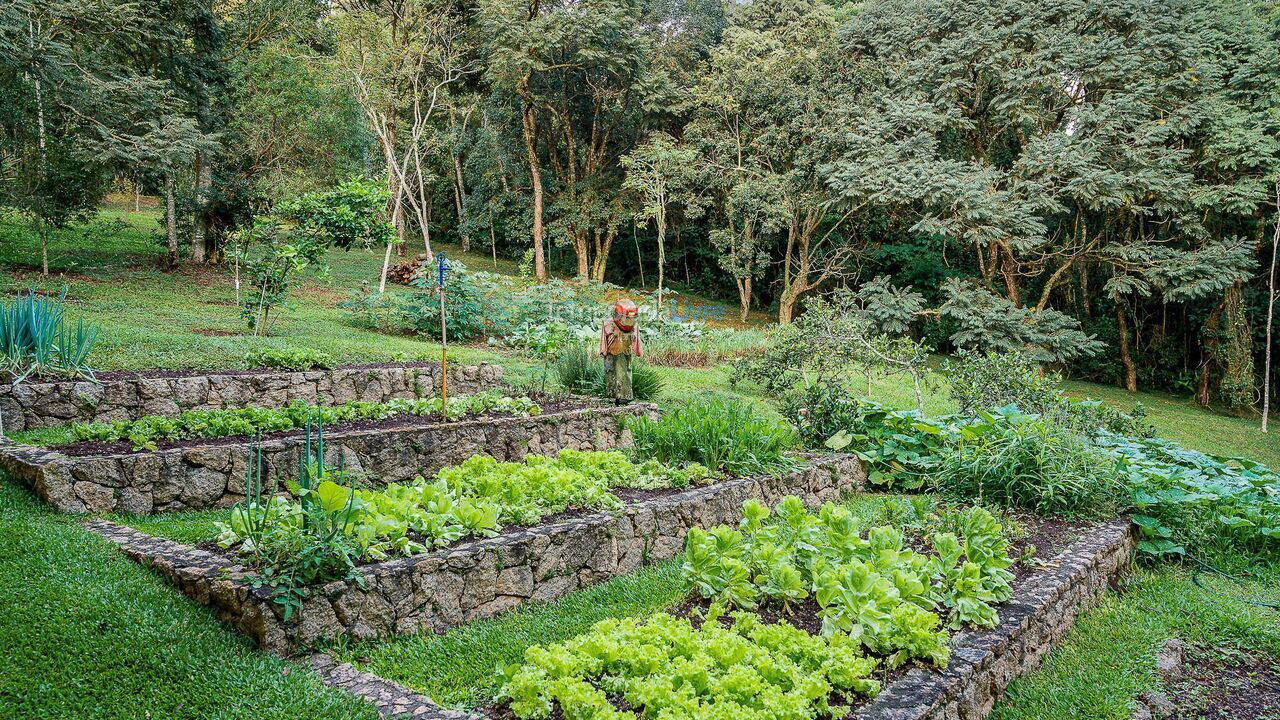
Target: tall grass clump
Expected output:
[581,371]
[722,433]
[1017,460]
[37,340]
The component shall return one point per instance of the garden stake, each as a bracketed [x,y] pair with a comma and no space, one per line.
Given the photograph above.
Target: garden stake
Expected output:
[444,349]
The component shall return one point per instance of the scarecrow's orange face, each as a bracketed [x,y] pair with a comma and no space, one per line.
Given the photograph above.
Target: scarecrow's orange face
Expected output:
[624,314]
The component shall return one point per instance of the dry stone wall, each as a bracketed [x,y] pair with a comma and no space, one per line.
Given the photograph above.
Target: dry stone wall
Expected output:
[30,405]
[984,662]
[213,476]
[476,579]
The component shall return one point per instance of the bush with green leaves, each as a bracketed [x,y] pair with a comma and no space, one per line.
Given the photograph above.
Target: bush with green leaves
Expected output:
[469,313]
[664,667]
[978,381]
[872,587]
[475,498]
[1017,460]
[290,359]
[37,340]
[581,371]
[720,432]
[901,448]
[146,431]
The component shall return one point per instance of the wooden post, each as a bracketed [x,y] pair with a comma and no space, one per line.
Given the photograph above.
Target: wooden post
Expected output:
[444,348]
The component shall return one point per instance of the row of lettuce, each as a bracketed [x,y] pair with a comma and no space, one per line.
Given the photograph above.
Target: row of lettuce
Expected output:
[881,605]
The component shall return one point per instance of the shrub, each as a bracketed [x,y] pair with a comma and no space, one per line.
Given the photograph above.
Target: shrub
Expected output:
[719,432]
[581,371]
[979,381]
[1025,461]
[36,339]
[289,359]
[470,313]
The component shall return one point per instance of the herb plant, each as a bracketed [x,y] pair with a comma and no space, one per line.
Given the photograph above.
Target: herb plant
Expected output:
[722,433]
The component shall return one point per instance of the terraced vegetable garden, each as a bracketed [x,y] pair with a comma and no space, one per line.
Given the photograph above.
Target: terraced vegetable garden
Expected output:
[694,564]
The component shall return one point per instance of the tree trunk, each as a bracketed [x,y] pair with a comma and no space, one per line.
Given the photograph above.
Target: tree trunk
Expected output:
[578,237]
[1122,327]
[662,249]
[493,240]
[170,220]
[744,297]
[42,230]
[1271,306]
[460,201]
[527,122]
[603,246]
[1208,349]
[200,221]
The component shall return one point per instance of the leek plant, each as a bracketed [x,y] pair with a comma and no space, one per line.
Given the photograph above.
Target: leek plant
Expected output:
[36,339]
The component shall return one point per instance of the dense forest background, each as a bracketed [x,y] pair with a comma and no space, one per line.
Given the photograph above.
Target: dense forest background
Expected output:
[1107,165]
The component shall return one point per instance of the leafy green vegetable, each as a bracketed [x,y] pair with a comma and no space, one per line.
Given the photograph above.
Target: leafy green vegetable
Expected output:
[145,432]
[666,668]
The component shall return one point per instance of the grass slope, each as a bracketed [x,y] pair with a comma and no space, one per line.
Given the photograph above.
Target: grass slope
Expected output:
[87,633]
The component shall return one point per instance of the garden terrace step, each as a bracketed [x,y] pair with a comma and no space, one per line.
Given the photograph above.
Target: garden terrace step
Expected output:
[210,476]
[130,396]
[482,578]
[984,662]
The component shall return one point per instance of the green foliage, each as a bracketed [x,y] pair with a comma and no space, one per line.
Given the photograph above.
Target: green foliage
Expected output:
[290,358]
[469,313]
[474,499]
[988,322]
[870,587]
[1018,460]
[720,432]
[995,379]
[1186,499]
[36,339]
[664,667]
[581,371]
[275,248]
[902,448]
[146,431]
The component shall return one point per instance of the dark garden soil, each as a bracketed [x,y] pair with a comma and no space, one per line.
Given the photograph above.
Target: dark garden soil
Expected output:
[548,404]
[1226,685]
[1049,536]
[195,372]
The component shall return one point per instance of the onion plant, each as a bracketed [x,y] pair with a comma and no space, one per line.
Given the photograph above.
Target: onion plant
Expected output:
[37,340]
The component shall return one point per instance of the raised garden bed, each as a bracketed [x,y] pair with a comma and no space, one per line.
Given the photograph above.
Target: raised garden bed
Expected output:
[212,473]
[1043,608]
[129,396]
[476,579]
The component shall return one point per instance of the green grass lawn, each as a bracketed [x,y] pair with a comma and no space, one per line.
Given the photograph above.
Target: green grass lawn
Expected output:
[90,634]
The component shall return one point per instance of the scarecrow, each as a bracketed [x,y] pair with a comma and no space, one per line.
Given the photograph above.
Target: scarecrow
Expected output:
[619,340]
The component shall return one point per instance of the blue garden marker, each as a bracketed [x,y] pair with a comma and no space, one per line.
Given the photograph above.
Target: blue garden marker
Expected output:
[444,348]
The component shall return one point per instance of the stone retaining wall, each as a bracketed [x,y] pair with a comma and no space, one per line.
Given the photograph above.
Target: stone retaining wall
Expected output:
[214,476]
[31,405]
[984,662]
[478,579]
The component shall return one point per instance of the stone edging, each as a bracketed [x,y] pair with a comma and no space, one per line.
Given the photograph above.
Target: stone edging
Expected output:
[984,662]
[29,405]
[393,700]
[194,478]
[476,579]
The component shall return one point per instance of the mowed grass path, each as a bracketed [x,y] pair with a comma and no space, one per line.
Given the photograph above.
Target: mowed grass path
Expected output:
[89,634]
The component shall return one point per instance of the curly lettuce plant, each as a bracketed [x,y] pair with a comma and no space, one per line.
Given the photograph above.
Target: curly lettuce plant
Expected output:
[664,667]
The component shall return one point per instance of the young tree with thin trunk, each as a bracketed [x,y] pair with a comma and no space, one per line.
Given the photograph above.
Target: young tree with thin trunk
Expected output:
[659,172]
